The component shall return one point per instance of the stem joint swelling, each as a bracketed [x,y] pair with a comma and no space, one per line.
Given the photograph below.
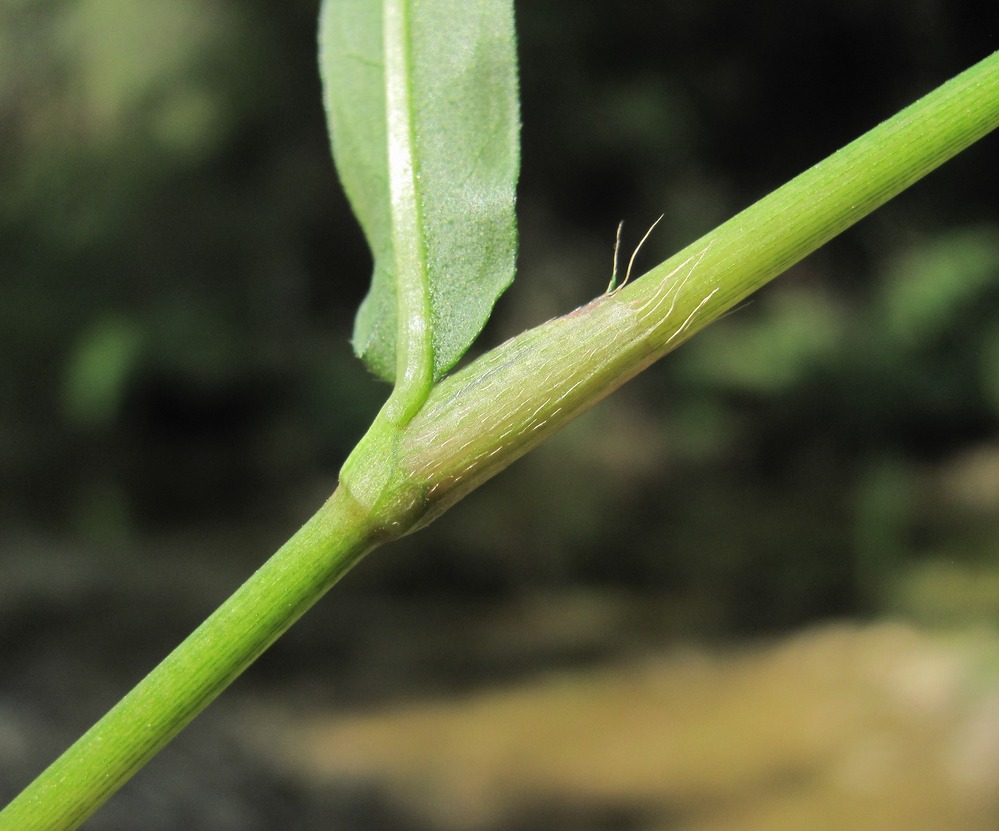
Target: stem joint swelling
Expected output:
[389,502]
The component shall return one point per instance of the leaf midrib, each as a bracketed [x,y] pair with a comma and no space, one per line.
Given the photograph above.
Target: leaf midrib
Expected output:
[414,345]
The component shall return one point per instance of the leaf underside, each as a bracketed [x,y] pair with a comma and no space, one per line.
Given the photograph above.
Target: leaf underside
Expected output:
[462,122]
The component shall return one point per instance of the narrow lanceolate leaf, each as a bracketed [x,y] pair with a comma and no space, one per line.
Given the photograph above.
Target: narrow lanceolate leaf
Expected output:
[421,99]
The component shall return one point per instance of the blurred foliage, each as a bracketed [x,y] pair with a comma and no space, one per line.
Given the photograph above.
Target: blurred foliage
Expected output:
[180,272]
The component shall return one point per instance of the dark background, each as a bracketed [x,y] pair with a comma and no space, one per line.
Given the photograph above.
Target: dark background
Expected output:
[178,276]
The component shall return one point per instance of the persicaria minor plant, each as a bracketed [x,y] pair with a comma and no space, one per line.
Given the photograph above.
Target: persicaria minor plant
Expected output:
[422,102]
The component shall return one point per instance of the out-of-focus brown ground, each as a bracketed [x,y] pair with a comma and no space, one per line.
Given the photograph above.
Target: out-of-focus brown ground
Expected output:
[842,727]
[574,710]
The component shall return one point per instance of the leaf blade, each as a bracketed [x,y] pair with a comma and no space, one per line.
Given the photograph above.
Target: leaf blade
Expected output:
[351,62]
[462,118]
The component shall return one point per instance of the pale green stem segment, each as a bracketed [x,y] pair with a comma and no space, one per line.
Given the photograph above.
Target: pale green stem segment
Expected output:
[768,237]
[105,757]
[477,421]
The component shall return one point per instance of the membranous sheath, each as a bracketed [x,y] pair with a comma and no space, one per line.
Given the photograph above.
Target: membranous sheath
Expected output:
[479,420]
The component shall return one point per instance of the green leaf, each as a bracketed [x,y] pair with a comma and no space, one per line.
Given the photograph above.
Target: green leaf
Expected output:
[422,104]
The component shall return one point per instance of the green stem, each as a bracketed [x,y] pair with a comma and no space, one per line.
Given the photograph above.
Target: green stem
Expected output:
[105,757]
[764,240]
[477,421]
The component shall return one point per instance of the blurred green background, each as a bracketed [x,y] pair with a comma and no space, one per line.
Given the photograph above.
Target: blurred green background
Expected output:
[179,273]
